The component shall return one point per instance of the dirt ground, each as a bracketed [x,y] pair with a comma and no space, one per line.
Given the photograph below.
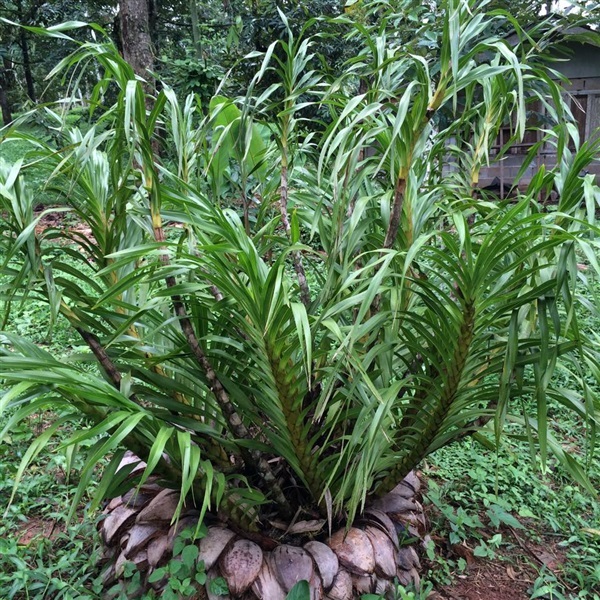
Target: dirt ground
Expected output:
[510,576]
[58,220]
[36,528]
[490,581]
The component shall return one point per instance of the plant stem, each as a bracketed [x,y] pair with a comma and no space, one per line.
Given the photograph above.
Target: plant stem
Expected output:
[291,398]
[433,416]
[101,356]
[236,425]
[283,208]
[396,213]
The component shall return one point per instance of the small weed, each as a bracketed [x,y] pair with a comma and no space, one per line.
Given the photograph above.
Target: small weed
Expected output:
[505,492]
[61,566]
[43,557]
[401,592]
[488,549]
[180,577]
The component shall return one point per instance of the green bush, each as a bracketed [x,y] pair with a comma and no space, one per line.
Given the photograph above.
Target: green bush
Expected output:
[435,314]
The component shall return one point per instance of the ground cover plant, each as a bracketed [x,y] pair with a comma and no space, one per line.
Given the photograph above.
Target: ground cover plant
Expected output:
[461,480]
[42,556]
[437,314]
[498,527]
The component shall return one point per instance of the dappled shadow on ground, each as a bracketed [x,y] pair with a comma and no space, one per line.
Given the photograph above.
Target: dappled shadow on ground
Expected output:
[65,222]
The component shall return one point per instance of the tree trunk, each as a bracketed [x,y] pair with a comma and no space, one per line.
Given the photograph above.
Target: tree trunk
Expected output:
[153,26]
[195,29]
[5,80]
[137,46]
[5,106]
[135,38]
[25,52]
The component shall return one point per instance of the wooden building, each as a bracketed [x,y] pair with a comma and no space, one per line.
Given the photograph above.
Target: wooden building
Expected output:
[580,64]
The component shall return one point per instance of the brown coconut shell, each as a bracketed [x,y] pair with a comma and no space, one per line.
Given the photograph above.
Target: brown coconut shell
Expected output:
[266,586]
[240,564]
[211,546]
[384,551]
[326,561]
[379,519]
[354,551]
[342,587]
[291,565]
[116,522]
[161,509]
[157,548]
[139,537]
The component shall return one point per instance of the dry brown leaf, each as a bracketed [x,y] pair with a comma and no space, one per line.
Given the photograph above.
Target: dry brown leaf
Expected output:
[307,526]
[463,551]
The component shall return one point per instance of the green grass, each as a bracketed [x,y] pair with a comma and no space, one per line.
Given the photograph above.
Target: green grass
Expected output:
[14,149]
[42,556]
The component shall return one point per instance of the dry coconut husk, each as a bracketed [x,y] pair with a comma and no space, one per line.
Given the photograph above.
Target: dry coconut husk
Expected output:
[367,558]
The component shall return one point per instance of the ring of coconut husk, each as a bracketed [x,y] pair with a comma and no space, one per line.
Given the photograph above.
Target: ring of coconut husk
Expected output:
[366,558]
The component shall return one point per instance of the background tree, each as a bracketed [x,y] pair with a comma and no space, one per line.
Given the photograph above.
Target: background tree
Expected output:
[135,36]
[6,84]
[28,58]
[193,44]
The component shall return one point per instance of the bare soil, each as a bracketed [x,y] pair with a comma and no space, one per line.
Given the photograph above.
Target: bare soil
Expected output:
[510,576]
[62,221]
[490,581]
[36,528]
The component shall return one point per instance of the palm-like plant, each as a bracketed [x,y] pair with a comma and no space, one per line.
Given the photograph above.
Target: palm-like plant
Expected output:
[433,312]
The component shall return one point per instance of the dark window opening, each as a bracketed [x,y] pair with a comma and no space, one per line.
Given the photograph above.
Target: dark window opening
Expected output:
[530,137]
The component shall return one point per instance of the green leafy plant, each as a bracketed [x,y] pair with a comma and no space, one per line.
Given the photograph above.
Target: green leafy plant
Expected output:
[488,549]
[181,575]
[400,592]
[41,556]
[436,312]
[504,491]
